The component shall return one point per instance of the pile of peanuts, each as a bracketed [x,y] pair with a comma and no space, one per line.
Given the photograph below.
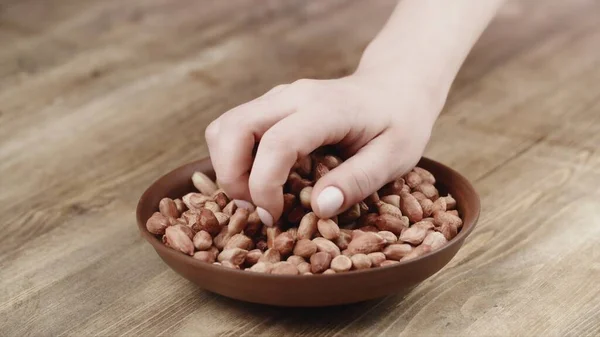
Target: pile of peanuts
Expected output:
[405,219]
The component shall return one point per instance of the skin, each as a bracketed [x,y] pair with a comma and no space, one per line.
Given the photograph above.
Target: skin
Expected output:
[381,116]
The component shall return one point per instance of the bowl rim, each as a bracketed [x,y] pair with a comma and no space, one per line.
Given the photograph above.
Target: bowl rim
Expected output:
[159,246]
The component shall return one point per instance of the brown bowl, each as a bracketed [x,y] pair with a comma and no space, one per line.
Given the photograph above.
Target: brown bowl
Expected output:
[301,290]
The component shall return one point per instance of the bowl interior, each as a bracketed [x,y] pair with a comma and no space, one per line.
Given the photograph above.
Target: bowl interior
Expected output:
[331,289]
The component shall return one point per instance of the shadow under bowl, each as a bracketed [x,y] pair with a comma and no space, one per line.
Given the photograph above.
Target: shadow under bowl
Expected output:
[302,290]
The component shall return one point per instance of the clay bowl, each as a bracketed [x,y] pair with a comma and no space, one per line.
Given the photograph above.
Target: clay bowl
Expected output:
[307,291]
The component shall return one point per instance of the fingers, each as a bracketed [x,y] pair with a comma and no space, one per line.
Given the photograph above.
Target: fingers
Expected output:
[295,136]
[359,176]
[232,136]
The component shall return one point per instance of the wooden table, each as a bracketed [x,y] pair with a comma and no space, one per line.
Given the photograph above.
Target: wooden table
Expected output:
[100,97]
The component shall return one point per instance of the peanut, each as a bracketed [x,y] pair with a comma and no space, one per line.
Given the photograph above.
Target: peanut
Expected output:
[366,243]
[392,199]
[439,205]
[308,226]
[222,218]
[324,245]
[320,171]
[203,183]
[329,271]
[207,222]
[392,210]
[272,233]
[239,241]
[204,256]
[262,267]
[429,190]
[252,257]
[230,208]
[180,206]
[411,207]
[387,222]
[168,208]
[284,268]
[195,201]
[388,236]
[388,263]
[157,224]
[450,202]
[328,229]
[221,199]
[212,206]
[341,263]
[304,197]
[343,240]
[435,240]
[270,255]
[397,251]
[427,206]
[413,179]
[320,262]
[418,251]
[394,187]
[304,268]
[441,218]
[331,161]
[361,261]
[284,243]
[426,176]
[238,221]
[414,235]
[178,239]
[305,248]
[296,260]
[202,240]
[376,258]
[233,255]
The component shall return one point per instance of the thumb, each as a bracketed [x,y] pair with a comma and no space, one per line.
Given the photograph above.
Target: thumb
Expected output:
[355,179]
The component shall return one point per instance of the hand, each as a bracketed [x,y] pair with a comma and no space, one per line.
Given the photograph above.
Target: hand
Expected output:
[381,128]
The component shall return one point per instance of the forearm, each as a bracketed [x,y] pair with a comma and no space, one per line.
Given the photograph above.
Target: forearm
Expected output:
[428,40]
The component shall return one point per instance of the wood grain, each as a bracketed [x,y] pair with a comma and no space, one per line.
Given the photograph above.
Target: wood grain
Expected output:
[99,98]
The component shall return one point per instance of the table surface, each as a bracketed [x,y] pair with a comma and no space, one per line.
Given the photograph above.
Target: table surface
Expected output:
[100,97]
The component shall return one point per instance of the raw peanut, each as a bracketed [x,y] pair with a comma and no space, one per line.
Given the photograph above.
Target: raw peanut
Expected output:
[157,224]
[296,214]
[207,222]
[364,208]
[213,206]
[304,197]
[427,225]
[453,212]
[343,240]
[221,199]
[262,245]
[252,257]
[284,243]
[296,260]
[202,240]
[262,267]
[233,255]
[346,252]
[173,222]
[427,206]
[305,248]
[217,263]
[392,199]
[331,161]
[203,183]
[320,262]
[448,230]
[441,218]
[450,202]
[238,221]
[191,218]
[188,231]
[239,241]
[229,264]
[272,233]
[328,229]
[307,273]
[341,264]
[270,255]
[384,208]
[418,251]
[289,202]
[387,222]
[388,236]
[350,215]
[324,245]
[320,171]
[195,201]
[411,207]
[419,196]
[284,268]
[221,239]
[204,256]
[361,261]
[429,190]
[167,207]
[254,225]
[438,206]
[296,183]
[405,189]
[308,226]
[230,208]
[329,271]
[397,251]
[414,235]
[426,176]
[373,229]
[435,240]
[303,166]
[304,268]
[388,263]
[376,258]
[178,239]
[366,243]
[394,187]
[430,219]
[222,218]
[180,205]
[413,179]
[368,219]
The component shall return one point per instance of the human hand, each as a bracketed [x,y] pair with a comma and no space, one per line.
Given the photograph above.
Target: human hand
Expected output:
[381,128]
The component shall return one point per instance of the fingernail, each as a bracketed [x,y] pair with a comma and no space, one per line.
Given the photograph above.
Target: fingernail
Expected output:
[265,217]
[330,200]
[244,204]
